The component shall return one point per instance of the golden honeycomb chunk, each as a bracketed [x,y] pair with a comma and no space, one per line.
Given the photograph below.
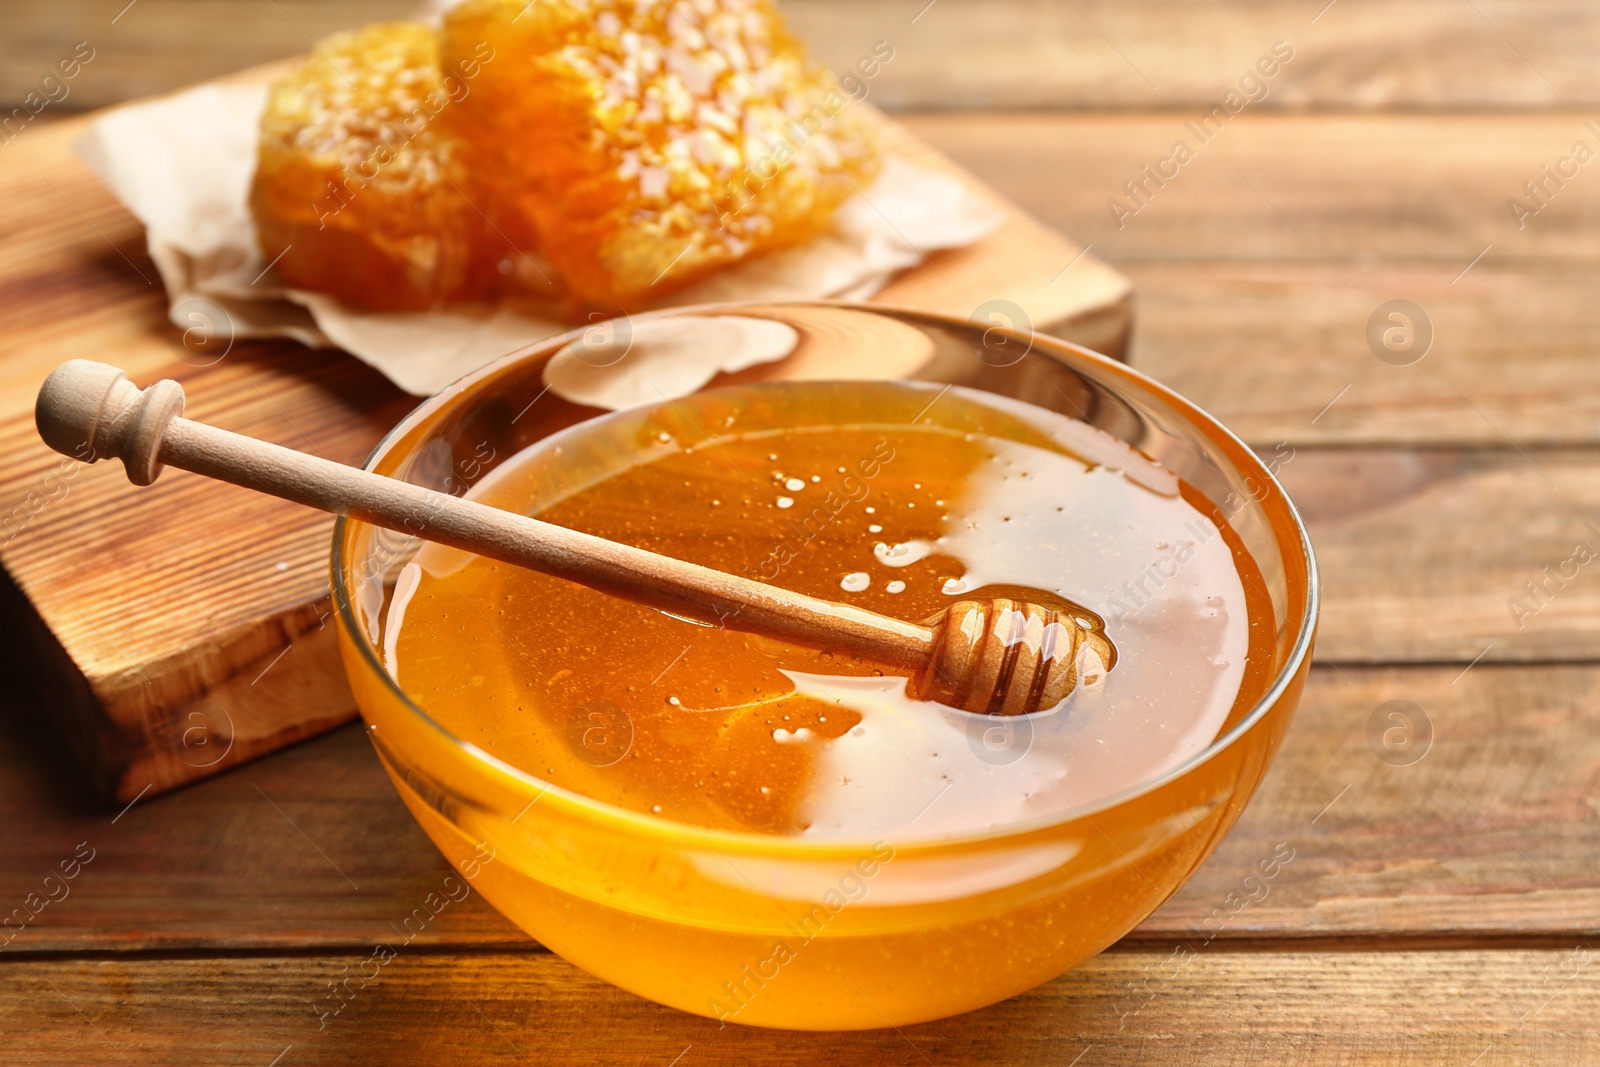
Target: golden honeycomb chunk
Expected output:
[657,141]
[362,186]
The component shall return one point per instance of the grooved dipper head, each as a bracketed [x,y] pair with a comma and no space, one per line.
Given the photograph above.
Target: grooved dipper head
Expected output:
[1009,657]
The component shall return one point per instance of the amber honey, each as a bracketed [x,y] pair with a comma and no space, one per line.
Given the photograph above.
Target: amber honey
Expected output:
[774,836]
[892,497]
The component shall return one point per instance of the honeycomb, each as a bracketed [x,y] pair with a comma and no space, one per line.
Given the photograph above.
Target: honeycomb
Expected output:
[364,187]
[654,141]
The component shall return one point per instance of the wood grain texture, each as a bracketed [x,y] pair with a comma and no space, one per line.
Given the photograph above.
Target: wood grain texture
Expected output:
[181,623]
[1405,1008]
[1489,833]
[1261,263]
[1350,192]
[1472,817]
[1279,354]
[1427,555]
[1167,54]
[1363,54]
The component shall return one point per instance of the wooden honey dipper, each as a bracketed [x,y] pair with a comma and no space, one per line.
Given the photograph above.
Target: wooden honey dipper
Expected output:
[1000,656]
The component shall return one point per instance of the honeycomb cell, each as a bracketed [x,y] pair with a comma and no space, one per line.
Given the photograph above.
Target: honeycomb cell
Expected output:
[364,188]
[654,142]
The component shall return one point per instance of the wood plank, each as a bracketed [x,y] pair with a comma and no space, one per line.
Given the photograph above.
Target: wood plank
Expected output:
[1268,349]
[1393,1008]
[1478,820]
[1490,834]
[1428,54]
[1239,308]
[198,646]
[255,857]
[1166,54]
[1426,556]
[1364,191]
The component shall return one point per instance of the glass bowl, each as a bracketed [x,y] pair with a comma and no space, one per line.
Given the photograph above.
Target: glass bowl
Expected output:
[797,933]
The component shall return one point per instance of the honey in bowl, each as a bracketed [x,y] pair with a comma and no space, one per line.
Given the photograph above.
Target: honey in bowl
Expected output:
[968,857]
[901,498]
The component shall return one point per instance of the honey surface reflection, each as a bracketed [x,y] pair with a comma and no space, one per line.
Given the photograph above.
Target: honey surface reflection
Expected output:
[894,497]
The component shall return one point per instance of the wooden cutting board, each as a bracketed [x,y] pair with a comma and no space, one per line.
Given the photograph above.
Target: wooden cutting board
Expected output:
[178,631]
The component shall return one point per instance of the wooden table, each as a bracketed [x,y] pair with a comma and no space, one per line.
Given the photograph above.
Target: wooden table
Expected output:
[1443,903]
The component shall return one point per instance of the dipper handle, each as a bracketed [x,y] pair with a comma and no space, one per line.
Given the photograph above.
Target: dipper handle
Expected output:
[997,657]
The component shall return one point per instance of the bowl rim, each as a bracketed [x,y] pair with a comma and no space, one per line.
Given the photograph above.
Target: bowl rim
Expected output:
[649,825]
